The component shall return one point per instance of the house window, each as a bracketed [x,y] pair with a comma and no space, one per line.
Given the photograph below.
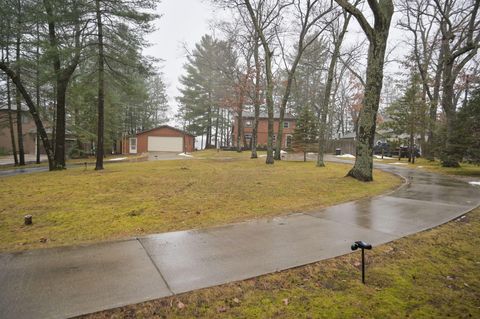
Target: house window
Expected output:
[288,141]
[25,118]
[133,145]
[248,123]
[248,139]
[286,124]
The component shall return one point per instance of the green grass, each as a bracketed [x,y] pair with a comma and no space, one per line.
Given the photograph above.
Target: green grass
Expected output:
[433,274]
[465,169]
[130,199]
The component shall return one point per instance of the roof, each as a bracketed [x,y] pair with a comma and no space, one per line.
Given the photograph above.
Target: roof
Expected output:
[264,115]
[165,126]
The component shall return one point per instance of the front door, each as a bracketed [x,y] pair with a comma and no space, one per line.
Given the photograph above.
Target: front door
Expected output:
[133,145]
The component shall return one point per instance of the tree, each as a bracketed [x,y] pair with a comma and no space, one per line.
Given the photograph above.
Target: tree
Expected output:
[421,19]
[338,33]
[308,15]
[406,114]
[468,129]
[305,135]
[459,26]
[264,15]
[377,36]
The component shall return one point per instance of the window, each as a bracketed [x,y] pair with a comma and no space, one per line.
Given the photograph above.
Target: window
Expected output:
[286,124]
[25,118]
[288,141]
[248,123]
[248,140]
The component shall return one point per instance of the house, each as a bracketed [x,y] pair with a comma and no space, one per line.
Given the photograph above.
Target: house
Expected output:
[164,138]
[289,124]
[28,128]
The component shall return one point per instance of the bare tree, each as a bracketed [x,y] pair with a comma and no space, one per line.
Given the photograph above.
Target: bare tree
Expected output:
[338,33]
[421,21]
[264,15]
[309,15]
[377,36]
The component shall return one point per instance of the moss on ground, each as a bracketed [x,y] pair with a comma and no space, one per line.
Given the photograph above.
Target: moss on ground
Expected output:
[131,199]
[433,274]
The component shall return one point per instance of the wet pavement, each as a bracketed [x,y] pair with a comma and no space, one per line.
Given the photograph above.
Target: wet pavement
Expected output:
[64,282]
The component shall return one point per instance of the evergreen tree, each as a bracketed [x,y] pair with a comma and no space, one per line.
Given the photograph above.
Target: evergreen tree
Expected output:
[305,135]
[468,129]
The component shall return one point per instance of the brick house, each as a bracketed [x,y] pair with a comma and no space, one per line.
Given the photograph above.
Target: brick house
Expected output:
[29,130]
[164,138]
[289,124]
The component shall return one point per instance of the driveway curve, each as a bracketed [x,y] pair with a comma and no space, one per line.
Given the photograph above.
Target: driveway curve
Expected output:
[65,282]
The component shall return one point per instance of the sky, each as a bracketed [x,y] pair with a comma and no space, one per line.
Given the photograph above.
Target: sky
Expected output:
[183,22]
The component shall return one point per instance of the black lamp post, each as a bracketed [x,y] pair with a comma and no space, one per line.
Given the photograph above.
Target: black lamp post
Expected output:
[362,245]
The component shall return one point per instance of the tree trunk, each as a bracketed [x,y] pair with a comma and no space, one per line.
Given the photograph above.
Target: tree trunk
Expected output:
[216,127]
[33,111]
[239,129]
[256,98]
[62,78]
[9,109]
[101,92]
[363,167]
[269,98]
[327,94]
[18,101]
[37,90]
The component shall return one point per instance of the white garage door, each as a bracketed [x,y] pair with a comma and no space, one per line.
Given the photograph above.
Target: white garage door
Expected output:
[165,144]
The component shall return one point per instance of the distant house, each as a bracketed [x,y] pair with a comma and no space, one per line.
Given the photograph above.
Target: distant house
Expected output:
[28,127]
[289,124]
[164,138]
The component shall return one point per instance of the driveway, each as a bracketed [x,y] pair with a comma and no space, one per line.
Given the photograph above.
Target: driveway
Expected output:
[29,158]
[70,281]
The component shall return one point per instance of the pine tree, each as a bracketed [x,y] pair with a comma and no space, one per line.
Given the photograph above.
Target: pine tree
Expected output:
[305,135]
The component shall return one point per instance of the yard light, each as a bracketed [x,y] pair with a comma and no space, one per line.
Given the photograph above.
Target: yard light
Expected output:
[362,245]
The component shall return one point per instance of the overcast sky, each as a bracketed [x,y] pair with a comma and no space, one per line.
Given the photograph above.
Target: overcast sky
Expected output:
[184,22]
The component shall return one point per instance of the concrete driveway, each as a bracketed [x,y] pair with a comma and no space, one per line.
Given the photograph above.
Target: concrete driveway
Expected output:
[65,282]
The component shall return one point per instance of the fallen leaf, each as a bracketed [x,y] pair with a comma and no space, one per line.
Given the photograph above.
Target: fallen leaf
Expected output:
[285,301]
[180,305]
[43,240]
[222,309]
[236,300]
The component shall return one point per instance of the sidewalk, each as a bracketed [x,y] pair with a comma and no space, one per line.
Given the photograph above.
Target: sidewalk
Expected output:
[65,282]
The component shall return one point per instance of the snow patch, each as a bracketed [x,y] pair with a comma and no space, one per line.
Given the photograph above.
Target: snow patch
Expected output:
[185,154]
[385,157]
[346,156]
[117,159]
[263,155]
[398,163]
[474,183]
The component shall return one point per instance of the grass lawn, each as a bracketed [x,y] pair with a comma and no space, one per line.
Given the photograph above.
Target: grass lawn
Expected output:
[89,160]
[465,169]
[433,274]
[129,199]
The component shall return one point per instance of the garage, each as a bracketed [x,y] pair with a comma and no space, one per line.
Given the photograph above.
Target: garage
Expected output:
[164,144]
[164,138]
